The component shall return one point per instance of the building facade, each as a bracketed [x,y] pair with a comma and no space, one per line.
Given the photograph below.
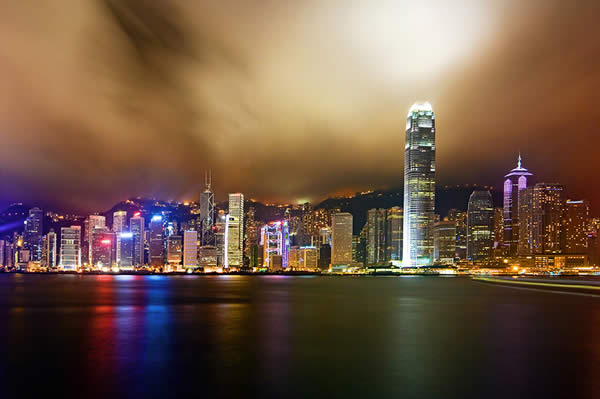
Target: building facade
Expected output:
[515,181]
[341,238]
[480,225]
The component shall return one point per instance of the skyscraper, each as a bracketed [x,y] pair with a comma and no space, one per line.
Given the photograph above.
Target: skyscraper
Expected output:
[393,240]
[136,226]
[460,219]
[157,248]
[516,181]
[207,213]
[275,240]
[444,241]
[126,240]
[576,221]
[480,225]
[234,231]
[341,238]
[174,251]
[190,249]
[51,249]
[548,206]
[376,234]
[93,222]
[103,248]
[32,235]
[70,247]
[419,186]
[119,225]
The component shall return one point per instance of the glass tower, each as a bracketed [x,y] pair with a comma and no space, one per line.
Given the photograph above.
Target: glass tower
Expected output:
[480,225]
[419,186]
[516,181]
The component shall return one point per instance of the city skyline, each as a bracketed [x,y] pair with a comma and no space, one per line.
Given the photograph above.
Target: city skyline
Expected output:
[78,136]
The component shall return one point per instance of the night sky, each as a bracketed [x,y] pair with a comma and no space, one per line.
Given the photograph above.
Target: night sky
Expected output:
[290,100]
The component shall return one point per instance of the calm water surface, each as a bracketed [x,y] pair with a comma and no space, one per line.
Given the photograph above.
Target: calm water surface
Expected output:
[283,337]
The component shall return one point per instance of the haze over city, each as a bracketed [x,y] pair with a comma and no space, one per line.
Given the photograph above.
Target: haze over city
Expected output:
[284,100]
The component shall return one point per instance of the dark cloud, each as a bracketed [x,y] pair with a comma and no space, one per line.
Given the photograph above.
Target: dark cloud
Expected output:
[101,100]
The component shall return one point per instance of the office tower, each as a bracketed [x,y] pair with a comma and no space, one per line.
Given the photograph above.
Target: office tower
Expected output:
[307,224]
[251,239]
[576,226]
[70,248]
[419,186]
[460,219]
[220,227]
[127,249]
[444,241]
[307,258]
[234,231]
[376,229]
[136,226]
[341,238]
[525,245]
[157,252]
[103,248]
[2,253]
[393,242]
[208,259]
[51,249]
[32,235]
[207,213]
[119,225]
[548,206]
[174,251]
[190,249]
[516,181]
[480,225]
[275,240]
[498,250]
[93,222]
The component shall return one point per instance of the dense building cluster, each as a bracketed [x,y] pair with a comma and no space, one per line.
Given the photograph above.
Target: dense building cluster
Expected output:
[536,226]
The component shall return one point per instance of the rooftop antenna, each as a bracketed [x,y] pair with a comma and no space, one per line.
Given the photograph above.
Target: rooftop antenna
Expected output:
[208,179]
[519,161]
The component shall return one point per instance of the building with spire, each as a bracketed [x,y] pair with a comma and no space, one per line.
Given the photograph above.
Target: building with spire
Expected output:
[207,213]
[515,181]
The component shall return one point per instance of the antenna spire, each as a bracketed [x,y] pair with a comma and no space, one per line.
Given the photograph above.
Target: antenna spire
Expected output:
[208,179]
[519,161]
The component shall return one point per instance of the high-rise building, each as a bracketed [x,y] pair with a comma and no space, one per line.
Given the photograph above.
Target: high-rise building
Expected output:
[174,251]
[275,240]
[32,235]
[157,245]
[444,241]
[190,249]
[119,225]
[103,248]
[136,226]
[70,248]
[516,181]
[220,228]
[576,226]
[548,207]
[525,245]
[376,234]
[207,213]
[498,250]
[460,219]
[419,186]
[393,241]
[341,238]
[234,231]
[51,249]
[480,225]
[127,249]
[93,222]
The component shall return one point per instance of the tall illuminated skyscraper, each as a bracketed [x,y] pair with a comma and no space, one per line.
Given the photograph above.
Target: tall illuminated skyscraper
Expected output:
[119,225]
[516,181]
[395,216]
[419,186]
[234,231]
[190,249]
[480,225]
[136,226]
[51,249]
[157,248]
[576,226]
[207,213]
[341,238]
[376,236]
[93,222]
[70,247]
[32,236]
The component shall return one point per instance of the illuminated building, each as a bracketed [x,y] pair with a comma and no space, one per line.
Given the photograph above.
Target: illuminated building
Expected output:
[275,241]
[220,226]
[394,222]
[190,249]
[576,226]
[480,225]
[2,253]
[498,250]
[103,248]
[516,181]
[341,238]
[307,224]
[32,235]
[307,258]
[207,213]
[93,222]
[548,206]
[70,248]
[234,231]
[251,240]
[127,249]
[119,225]
[444,241]
[376,229]
[157,249]
[460,219]
[136,226]
[174,251]
[208,259]
[419,186]
[50,249]
[526,223]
